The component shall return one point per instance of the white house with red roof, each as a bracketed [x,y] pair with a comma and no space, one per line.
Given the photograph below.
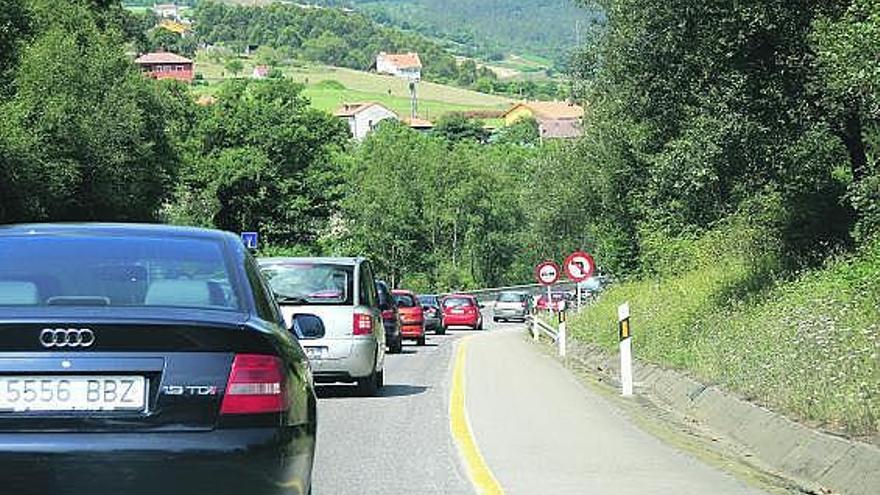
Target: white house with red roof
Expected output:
[364,117]
[405,65]
[166,65]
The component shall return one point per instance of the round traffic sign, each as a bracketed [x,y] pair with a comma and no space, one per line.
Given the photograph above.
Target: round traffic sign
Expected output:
[579,266]
[547,273]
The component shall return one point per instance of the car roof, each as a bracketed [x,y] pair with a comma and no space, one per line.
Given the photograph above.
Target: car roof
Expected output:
[349,261]
[459,295]
[403,291]
[113,229]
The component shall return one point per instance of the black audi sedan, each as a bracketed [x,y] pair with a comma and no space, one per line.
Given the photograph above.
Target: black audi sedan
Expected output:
[147,359]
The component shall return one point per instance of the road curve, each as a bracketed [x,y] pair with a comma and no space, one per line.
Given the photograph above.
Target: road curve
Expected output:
[537,428]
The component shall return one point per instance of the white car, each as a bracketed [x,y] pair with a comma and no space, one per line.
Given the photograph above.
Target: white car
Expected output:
[342,292]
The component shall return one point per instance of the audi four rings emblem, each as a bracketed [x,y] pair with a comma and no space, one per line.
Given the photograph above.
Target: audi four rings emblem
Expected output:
[67,337]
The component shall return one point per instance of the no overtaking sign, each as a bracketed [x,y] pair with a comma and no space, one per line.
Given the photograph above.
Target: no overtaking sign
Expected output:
[547,273]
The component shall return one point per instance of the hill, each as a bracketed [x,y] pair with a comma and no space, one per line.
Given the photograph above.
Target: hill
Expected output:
[488,28]
[328,87]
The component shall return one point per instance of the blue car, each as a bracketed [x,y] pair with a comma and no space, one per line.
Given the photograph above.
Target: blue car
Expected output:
[147,359]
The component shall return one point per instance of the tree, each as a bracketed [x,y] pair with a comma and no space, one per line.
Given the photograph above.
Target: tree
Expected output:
[456,127]
[260,160]
[84,133]
[234,66]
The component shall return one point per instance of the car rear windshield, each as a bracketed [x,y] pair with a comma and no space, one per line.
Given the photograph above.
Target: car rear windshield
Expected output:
[76,270]
[453,302]
[511,297]
[405,300]
[312,283]
[428,300]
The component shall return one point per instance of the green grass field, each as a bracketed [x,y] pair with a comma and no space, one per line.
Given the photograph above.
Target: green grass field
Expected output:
[434,99]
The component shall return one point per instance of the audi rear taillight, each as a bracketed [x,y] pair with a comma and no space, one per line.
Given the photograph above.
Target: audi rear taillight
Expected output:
[363,324]
[256,385]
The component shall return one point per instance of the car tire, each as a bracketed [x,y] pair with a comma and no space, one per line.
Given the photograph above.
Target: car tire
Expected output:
[368,386]
[380,379]
[397,346]
[421,340]
[496,320]
[441,330]
[480,325]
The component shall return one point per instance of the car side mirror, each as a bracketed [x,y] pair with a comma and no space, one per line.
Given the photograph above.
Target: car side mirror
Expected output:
[308,326]
[482,306]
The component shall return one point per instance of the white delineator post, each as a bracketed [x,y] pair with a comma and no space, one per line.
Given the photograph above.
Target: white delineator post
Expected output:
[626,374]
[560,336]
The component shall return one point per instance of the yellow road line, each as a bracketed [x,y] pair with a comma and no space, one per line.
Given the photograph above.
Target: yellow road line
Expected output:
[481,476]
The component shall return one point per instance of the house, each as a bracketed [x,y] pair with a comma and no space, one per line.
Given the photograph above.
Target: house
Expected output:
[420,125]
[405,65]
[363,117]
[556,119]
[166,65]
[260,72]
[166,10]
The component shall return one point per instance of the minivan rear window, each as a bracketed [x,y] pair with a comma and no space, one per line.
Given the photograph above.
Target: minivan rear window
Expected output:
[311,283]
[100,270]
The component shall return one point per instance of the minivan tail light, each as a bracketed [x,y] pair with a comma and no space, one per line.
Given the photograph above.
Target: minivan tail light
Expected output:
[255,386]
[363,324]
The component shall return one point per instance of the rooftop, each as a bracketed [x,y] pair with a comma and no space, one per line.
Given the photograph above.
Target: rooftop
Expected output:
[162,58]
[352,109]
[551,109]
[402,60]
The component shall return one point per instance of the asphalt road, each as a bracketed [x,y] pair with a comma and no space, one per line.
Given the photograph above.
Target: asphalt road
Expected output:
[538,429]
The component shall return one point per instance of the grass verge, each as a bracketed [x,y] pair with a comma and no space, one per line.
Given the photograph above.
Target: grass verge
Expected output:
[808,347]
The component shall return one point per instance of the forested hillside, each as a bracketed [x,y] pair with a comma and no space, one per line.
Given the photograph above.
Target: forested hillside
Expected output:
[489,28]
[329,36]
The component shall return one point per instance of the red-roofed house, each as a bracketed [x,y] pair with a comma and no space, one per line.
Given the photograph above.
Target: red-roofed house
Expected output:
[405,65]
[166,65]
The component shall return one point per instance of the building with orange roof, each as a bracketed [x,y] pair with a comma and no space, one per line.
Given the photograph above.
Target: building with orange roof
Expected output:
[556,119]
[364,117]
[166,65]
[405,65]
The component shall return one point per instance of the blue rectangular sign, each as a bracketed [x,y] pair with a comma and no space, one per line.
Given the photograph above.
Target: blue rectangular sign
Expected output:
[250,239]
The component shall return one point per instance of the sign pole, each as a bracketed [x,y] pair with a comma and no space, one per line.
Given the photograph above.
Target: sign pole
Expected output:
[626,373]
[579,296]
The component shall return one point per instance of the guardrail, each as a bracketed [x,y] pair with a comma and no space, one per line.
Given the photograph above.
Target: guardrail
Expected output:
[537,327]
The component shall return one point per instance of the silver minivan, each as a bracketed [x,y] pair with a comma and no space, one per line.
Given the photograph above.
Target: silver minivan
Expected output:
[342,292]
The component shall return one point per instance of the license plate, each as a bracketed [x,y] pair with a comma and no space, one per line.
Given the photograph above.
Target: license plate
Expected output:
[458,311]
[315,352]
[73,393]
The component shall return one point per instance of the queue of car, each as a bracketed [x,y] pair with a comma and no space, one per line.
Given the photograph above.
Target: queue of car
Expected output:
[175,351]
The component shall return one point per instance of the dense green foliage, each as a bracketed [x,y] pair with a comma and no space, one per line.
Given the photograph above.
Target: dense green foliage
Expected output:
[329,36]
[82,134]
[259,159]
[434,214]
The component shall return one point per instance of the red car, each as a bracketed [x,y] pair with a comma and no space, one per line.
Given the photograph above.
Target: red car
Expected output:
[461,310]
[412,318]
[543,304]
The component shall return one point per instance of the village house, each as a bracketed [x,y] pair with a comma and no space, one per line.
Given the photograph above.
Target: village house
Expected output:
[364,117]
[166,10]
[556,119]
[166,65]
[405,65]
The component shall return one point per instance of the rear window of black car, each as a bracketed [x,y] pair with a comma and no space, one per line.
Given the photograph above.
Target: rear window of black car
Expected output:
[323,284]
[82,270]
[453,302]
[405,300]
